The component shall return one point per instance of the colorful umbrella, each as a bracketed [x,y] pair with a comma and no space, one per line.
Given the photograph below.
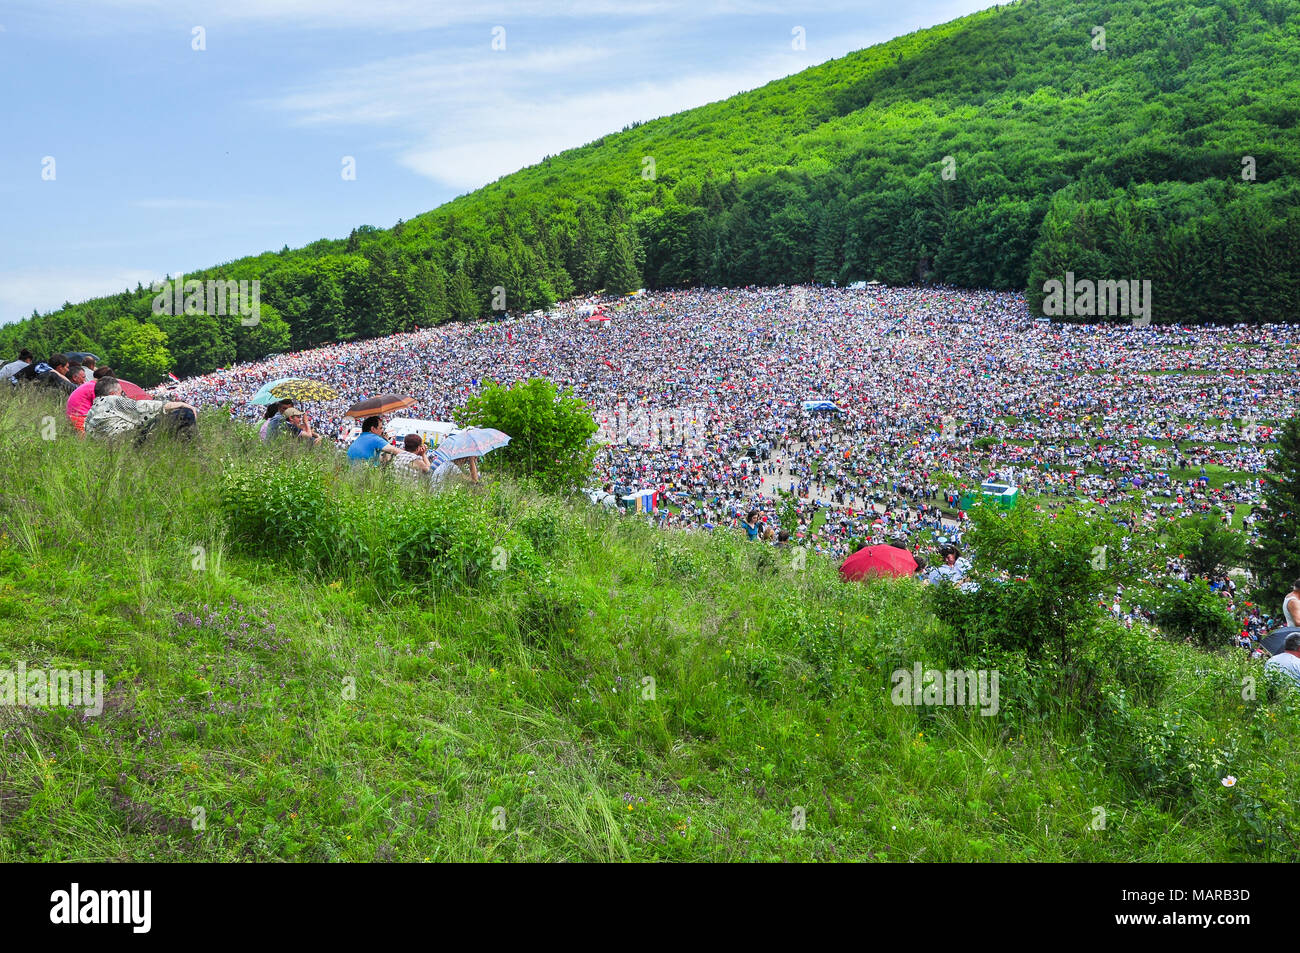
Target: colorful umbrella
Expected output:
[381,404]
[474,442]
[298,388]
[264,395]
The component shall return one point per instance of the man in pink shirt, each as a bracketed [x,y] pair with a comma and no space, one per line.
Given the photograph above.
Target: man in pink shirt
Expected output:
[79,402]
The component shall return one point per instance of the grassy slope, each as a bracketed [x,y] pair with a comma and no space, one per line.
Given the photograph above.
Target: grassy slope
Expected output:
[771,693]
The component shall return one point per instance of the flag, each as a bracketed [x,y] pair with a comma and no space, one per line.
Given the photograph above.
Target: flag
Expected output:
[173,377]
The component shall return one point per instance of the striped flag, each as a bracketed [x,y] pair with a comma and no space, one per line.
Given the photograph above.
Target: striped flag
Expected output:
[173,377]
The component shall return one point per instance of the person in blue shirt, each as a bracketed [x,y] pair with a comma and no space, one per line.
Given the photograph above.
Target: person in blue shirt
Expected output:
[370,446]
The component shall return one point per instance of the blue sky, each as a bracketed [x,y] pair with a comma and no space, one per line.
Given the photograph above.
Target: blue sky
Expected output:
[169,158]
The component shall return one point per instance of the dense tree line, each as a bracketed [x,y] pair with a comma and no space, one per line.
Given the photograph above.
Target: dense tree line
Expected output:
[998,151]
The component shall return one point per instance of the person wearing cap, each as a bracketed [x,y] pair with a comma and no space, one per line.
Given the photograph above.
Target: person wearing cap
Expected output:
[291,422]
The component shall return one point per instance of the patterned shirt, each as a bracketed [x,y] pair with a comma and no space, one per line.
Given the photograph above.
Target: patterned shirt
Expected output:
[404,465]
[117,414]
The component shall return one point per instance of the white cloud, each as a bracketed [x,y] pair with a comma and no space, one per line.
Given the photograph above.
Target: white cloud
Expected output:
[470,118]
[505,134]
[399,16]
[46,289]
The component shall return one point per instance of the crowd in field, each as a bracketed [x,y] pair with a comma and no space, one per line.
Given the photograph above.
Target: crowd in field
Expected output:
[700,396]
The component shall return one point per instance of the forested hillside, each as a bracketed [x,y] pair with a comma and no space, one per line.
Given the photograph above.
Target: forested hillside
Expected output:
[996,151]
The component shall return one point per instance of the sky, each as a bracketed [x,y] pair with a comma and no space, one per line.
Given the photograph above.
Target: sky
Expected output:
[142,138]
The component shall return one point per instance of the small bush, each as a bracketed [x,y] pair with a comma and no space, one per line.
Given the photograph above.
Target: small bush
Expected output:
[1191,611]
[543,529]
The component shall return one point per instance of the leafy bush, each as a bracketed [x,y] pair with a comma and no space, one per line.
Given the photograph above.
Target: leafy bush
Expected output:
[1152,749]
[543,529]
[677,558]
[1190,610]
[280,510]
[549,431]
[1132,659]
[1036,583]
[1208,546]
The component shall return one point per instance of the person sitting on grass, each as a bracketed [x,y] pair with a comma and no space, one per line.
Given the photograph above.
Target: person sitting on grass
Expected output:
[274,410]
[410,461]
[1287,662]
[78,405]
[13,367]
[291,422]
[370,446]
[49,373]
[113,414]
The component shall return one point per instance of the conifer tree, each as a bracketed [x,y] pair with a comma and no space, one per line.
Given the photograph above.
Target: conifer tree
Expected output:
[1277,556]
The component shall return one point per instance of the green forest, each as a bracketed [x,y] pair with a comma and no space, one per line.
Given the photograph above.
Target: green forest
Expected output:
[1137,140]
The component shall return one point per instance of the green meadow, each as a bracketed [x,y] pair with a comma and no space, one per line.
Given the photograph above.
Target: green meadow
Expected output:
[304,663]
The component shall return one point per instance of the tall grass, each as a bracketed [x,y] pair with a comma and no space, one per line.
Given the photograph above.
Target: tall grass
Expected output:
[324,664]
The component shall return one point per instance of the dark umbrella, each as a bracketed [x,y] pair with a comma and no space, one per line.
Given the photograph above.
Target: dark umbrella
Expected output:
[878,561]
[1274,641]
[382,404]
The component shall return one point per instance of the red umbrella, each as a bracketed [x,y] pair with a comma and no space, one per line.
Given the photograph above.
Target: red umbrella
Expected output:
[878,561]
[134,391]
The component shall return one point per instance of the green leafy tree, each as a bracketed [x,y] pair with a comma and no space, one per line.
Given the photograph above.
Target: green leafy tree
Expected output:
[137,351]
[620,266]
[1276,558]
[1189,610]
[1038,578]
[460,297]
[269,336]
[1208,546]
[549,431]
[201,342]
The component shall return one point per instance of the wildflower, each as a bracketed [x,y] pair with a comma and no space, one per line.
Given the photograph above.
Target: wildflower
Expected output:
[1229,781]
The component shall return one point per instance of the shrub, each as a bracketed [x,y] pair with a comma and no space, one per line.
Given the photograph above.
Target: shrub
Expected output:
[279,510]
[1191,611]
[543,529]
[400,540]
[549,431]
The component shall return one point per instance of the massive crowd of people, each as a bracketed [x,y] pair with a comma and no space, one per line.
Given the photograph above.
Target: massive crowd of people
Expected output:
[700,395]
[717,399]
